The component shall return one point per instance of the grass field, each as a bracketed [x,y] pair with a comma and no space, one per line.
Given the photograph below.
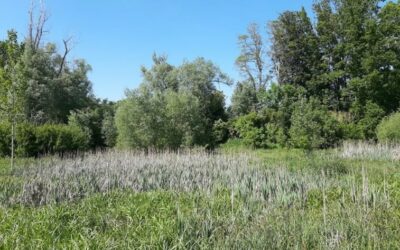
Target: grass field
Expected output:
[345,198]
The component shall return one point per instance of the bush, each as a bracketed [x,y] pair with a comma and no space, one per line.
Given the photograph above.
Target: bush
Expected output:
[221,131]
[276,133]
[265,129]
[168,121]
[389,129]
[71,138]
[89,121]
[60,138]
[26,145]
[109,130]
[365,119]
[251,128]
[373,114]
[312,126]
[45,139]
[351,131]
[5,139]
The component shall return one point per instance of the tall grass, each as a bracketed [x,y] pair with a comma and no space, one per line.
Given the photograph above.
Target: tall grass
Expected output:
[370,151]
[198,200]
[55,180]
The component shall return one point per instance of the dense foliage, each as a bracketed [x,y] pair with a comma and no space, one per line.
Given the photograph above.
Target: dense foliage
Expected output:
[47,87]
[312,126]
[337,76]
[388,130]
[44,139]
[173,107]
[346,62]
[39,86]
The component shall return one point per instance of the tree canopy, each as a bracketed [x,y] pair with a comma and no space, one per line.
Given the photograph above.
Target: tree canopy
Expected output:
[173,107]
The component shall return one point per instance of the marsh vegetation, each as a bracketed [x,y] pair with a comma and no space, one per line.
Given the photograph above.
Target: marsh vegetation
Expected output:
[195,199]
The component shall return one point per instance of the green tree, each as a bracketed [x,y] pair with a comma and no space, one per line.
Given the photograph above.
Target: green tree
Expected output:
[140,120]
[252,64]
[244,99]
[279,104]
[186,125]
[109,130]
[294,49]
[388,130]
[97,122]
[11,87]
[312,126]
[380,63]
[332,78]
[173,107]
[366,118]
[54,90]
[200,78]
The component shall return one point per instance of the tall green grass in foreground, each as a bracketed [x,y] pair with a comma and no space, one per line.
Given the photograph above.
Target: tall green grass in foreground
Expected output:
[195,200]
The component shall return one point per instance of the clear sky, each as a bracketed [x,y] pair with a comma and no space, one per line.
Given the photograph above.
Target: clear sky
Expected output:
[116,37]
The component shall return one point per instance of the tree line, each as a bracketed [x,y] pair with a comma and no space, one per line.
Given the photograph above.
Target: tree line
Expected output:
[306,83]
[335,77]
[46,101]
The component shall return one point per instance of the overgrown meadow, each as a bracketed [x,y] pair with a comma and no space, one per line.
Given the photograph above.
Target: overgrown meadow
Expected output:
[279,166]
[345,198]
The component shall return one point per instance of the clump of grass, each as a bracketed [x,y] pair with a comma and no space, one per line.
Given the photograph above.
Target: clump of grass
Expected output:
[330,166]
[370,151]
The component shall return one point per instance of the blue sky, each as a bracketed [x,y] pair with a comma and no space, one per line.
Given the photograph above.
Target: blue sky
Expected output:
[116,37]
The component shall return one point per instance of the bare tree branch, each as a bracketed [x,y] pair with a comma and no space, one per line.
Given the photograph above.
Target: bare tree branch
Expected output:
[67,49]
[252,62]
[30,26]
[36,30]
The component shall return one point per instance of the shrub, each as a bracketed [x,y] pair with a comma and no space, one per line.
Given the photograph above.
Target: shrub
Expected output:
[60,138]
[221,131]
[45,139]
[170,120]
[275,135]
[265,129]
[251,128]
[71,138]
[389,129]
[88,121]
[365,119]
[351,131]
[5,139]
[26,140]
[312,126]
[373,114]
[109,130]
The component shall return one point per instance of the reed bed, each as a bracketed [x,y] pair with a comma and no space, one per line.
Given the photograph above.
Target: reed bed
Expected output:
[199,200]
[370,151]
[55,180]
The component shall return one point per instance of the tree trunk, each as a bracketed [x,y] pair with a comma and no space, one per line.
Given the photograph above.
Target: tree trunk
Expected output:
[12,142]
[13,122]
